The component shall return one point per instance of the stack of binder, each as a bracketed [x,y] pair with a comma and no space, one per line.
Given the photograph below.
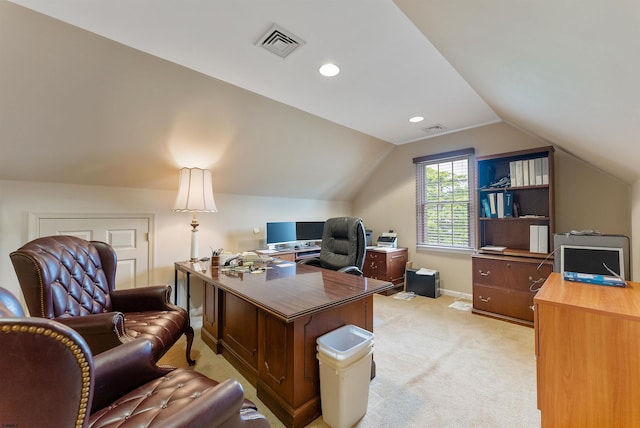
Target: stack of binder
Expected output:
[539,239]
[529,172]
[498,205]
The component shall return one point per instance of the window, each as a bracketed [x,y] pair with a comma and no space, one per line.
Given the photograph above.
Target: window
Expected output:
[444,200]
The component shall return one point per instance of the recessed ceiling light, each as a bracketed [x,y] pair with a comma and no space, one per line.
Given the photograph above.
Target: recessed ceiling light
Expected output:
[416,119]
[329,70]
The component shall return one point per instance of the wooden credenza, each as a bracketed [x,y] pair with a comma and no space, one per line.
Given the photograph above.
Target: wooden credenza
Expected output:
[388,264]
[587,345]
[504,287]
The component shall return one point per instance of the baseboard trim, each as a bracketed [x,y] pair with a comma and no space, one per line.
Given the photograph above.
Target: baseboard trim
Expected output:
[456,294]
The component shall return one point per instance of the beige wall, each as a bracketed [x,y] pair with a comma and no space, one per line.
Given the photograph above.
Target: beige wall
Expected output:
[635,230]
[589,199]
[387,201]
[231,227]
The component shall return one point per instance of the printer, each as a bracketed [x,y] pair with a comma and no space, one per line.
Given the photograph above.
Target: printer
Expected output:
[388,239]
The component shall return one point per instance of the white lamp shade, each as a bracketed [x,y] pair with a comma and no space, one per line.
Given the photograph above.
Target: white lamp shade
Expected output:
[195,193]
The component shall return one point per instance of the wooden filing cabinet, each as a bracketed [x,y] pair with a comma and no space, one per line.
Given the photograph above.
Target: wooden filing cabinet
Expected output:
[587,344]
[504,287]
[387,265]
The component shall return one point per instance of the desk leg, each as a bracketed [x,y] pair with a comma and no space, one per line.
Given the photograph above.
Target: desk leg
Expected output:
[175,283]
[188,291]
[175,287]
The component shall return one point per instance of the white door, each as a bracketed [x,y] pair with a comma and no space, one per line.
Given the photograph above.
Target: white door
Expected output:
[129,237]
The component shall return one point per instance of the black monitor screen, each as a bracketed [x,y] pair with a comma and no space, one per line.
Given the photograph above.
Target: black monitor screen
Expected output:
[309,230]
[594,260]
[281,232]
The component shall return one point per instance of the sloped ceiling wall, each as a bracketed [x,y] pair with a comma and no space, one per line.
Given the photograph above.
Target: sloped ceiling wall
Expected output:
[563,70]
[78,108]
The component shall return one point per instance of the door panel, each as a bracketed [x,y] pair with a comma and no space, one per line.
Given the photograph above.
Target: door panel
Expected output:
[127,235]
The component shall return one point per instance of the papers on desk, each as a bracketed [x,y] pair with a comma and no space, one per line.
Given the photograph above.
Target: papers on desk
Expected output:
[425,271]
[385,249]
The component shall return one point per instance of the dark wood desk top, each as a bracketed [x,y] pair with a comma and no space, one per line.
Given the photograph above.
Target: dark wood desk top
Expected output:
[289,290]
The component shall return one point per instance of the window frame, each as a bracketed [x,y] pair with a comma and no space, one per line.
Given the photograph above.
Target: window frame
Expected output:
[421,164]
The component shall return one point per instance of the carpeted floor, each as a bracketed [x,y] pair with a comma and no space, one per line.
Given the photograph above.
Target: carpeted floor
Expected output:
[437,366]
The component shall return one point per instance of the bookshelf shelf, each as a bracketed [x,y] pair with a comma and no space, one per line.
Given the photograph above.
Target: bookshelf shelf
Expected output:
[531,219]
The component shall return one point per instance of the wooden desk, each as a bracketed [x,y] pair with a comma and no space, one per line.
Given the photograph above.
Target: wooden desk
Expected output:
[266,324]
[587,340]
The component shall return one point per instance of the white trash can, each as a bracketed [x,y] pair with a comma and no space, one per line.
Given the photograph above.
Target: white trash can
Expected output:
[344,356]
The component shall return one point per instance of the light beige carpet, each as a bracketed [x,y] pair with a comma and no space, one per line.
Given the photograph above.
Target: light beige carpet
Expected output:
[436,367]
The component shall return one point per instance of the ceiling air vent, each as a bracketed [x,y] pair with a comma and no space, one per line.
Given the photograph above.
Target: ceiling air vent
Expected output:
[280,41]
[434,129]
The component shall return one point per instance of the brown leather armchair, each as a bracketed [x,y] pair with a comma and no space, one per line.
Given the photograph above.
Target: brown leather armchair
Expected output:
[51,379]
[72,280]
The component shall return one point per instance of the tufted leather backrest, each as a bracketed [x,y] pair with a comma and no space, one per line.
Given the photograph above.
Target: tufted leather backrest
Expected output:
[64,276]
[343,243]
[41,362]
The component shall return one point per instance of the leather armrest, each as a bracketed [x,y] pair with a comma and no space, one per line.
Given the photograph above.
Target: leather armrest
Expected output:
[312,262]
[224,401]
[122,369]
[353,270]
[100,331]
[154,298]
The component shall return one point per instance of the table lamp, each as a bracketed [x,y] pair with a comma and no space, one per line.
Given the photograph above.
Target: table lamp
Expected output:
[195,195]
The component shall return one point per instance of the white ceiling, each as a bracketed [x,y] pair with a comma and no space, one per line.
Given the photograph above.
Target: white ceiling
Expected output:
[390,71]
[563,70]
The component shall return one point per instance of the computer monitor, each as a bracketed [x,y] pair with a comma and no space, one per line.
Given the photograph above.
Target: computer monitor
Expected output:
[309,230]
[282,232]
[608,261]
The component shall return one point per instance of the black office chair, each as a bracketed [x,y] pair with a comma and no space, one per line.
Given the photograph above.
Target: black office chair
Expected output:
[343,246]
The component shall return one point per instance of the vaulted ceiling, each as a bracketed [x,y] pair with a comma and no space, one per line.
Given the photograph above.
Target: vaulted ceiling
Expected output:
[561,70]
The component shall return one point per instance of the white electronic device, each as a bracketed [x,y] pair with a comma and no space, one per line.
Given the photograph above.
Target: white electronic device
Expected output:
[388,239]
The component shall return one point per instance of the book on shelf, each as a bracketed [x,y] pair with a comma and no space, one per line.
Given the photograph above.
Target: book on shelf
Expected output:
[533,238]
[538,170]
[519,174]
[512,173]
[538,238]
[492,204]
[486,207]
[532,172]
[508,204]
[525,172]
[545,170]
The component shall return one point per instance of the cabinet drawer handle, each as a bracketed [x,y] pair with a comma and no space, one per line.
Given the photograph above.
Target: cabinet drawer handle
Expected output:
[486,300]
[487,273]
